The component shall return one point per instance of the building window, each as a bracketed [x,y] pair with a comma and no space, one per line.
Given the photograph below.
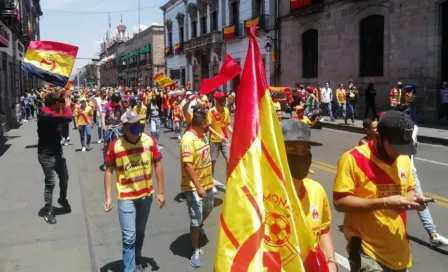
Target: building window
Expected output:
[235,13]
[203,25]
[214,24]
[310,60]
[371,44]
[170,39]
[194,29]
[258,8]
[181,34]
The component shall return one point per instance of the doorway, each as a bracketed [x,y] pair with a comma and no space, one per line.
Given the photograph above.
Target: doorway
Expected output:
[444,53]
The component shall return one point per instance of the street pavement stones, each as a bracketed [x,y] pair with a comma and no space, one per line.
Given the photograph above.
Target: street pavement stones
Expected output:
[89,239]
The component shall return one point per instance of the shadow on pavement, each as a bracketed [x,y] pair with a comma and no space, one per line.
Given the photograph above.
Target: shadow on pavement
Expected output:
[3,145]
[31,146]
[182,246]
[179,198]
[57,211]
[428,245]
[217,202]
[4,148]
[117,266]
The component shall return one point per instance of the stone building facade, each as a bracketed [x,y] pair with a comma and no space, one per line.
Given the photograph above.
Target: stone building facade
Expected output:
[369,41]
[19,24]
[198,34]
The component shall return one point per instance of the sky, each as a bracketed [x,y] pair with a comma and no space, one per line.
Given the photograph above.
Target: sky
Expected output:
[84,23]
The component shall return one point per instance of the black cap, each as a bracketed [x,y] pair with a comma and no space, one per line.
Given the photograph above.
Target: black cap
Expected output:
[397,127]
[296,131]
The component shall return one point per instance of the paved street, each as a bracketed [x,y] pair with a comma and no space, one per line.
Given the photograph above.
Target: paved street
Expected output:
[88,239]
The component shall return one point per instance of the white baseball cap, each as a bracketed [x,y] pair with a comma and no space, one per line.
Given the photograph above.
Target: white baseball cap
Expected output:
[130,117]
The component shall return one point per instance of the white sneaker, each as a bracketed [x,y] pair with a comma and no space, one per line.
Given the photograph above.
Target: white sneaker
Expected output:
[178,137]
[160,147]
[100,141]
[214,190]
[83,149]
[439,240]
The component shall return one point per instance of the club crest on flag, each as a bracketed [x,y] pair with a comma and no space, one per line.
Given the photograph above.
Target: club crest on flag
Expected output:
[48,60]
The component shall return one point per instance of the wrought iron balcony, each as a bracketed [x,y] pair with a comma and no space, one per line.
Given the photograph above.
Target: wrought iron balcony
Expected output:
[9,15]
[203,41]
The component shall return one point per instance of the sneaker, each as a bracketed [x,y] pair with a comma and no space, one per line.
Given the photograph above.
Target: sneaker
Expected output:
[178,137]
[68,139]
[65,205]
[195,259]
[310,171]
[214,190]
[160,147]
[439,240]
[139,268]
[49,217]
[83,149]
[88,148]
[100,141]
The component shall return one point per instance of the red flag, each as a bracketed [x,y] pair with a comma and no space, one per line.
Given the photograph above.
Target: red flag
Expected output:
[296,4]
[230,69]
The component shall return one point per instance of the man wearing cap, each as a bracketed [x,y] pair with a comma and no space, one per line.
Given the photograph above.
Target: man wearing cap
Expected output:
[374,187]
[141,110]
[314,200]
[135,157]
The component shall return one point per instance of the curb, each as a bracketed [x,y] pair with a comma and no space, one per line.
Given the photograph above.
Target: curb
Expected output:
[359,130]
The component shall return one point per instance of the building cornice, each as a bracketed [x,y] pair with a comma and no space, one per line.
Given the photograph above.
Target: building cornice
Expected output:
[172,3]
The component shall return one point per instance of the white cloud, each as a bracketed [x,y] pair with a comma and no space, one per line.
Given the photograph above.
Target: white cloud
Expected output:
[156,24]
[98,42]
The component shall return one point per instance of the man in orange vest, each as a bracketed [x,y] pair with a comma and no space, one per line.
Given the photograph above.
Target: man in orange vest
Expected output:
[395,95]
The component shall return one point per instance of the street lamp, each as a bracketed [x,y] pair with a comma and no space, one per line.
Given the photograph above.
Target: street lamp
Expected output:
[268,47]
[268,44]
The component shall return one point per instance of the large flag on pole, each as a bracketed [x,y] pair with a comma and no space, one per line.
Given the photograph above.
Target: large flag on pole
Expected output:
[262,221]
[50,61]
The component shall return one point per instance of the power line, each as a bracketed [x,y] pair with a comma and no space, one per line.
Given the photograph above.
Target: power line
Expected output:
[97,12]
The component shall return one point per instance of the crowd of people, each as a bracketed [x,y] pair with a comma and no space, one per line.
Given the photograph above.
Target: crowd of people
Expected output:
[375,184]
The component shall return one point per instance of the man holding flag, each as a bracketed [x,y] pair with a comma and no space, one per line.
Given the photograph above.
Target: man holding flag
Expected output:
[262,219]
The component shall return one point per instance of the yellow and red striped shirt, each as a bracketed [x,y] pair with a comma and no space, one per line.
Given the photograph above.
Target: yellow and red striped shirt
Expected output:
[83,116]
[196,151]
[133,163]
[219,121]
[362,174]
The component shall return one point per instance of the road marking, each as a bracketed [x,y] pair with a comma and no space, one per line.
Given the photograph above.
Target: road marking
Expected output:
[430,161]
[342,261]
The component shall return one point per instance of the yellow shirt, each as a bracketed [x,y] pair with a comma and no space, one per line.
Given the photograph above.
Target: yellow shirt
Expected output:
[277,106]
[218,121]
[196,151]
[83,116]
[305,120]
[360,173]
[340,95]
[133,163]
[316,207]
[141,111]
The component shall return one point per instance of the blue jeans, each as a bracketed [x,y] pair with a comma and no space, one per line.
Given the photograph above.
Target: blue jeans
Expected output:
[341,110]
[133,216]
[425,215]
[326,107]
[99,124]
[351,109]
[413,110]
[155,127]
[83,132]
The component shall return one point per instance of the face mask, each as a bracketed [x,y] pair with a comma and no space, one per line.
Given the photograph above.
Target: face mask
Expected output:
[136,129]
[299,166]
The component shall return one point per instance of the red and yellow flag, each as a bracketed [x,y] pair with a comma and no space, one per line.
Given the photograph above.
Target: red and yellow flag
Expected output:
[262,225]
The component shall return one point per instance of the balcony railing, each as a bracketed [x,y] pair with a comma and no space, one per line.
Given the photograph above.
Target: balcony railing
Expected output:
[233,31]
[203,41]
[261,21]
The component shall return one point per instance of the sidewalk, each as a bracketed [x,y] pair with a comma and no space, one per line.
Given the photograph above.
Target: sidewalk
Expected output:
[27,243]
[436,136]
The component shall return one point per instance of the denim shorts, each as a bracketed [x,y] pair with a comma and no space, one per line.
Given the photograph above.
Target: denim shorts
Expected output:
[215,148]
[198,206]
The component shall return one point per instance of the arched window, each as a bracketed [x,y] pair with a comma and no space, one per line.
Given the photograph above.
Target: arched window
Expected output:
[371,43]
[310,57]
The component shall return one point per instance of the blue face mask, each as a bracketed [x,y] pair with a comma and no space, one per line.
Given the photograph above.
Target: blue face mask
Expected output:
[136,129]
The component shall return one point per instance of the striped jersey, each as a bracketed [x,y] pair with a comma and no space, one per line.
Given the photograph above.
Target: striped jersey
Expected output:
[133,163]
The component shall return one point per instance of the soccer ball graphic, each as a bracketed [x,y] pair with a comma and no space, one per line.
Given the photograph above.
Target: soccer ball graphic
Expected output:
[277,229]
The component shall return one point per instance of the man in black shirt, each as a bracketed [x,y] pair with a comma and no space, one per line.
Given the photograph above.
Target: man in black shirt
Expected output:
[50,121]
